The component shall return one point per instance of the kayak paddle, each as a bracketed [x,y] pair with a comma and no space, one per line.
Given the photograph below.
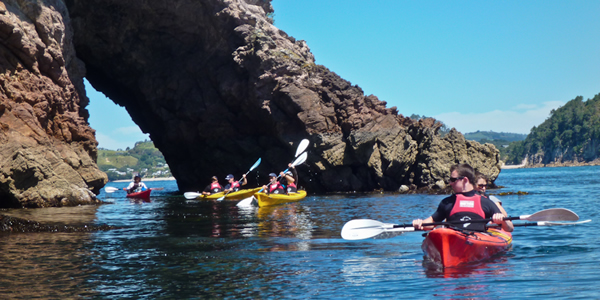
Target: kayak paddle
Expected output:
[364,228]
[301,147]
[110,189]
[251,168]
[548,223]
[301,159]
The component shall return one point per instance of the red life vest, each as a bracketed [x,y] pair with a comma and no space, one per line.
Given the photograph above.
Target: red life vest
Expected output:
[235,184]
[466,209]
[215,187]
[467,205]
[275,186]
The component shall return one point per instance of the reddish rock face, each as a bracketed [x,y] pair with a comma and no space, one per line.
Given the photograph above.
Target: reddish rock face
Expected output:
[47,149]
[216,86]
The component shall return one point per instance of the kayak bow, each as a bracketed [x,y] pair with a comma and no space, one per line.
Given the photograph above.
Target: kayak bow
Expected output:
[450,247]
[143,194]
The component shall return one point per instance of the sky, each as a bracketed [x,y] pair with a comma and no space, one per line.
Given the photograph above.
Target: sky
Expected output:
[474,65]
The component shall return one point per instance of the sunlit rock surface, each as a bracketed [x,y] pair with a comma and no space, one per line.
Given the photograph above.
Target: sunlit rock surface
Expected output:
[47,149]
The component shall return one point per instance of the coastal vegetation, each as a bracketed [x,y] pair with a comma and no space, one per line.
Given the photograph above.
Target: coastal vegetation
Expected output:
[143,159]
[570,134]
[502,140]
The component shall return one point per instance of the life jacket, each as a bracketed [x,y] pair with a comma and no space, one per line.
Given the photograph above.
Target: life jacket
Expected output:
[215,187]
[276,188]
[235,186]
[468,208]
[135,188]
[291,188]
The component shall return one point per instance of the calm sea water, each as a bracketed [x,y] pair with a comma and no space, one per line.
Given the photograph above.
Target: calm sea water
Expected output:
[173,248]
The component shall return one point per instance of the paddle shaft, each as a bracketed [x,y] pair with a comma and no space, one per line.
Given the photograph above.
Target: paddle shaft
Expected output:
[459,222]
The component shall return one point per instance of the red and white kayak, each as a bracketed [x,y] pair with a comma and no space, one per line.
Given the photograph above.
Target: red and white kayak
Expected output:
[143,194]
[451,247]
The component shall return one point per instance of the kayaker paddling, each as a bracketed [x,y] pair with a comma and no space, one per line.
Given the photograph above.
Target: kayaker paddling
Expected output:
[213,187]
[136,185]
[465,204]
[290,179]
[234,186]
[274,186]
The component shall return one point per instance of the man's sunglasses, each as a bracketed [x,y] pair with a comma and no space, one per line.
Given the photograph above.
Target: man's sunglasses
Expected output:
[453,179]
[482,185]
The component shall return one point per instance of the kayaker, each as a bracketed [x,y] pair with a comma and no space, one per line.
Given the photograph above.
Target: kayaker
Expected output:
[481,189]
[274,187]
[289,179]
[465,204]
[136,185]
[234,186]
[213,187]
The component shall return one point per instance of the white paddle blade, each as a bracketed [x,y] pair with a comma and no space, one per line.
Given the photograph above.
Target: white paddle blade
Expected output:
[300,160]
[361,229]
[191,195]
[550,223]
[301,147]
[552,214]
[110,189]
[246,202]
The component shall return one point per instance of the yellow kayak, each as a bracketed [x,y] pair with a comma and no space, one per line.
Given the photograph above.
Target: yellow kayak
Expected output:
[264,199]
[239,195]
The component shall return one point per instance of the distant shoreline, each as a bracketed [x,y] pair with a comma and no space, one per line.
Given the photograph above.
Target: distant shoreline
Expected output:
[147,179]
[523,164]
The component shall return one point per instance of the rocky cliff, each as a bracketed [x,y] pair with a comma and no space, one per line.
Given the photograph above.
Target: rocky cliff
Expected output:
[47,149]
[217,85]
[214,83]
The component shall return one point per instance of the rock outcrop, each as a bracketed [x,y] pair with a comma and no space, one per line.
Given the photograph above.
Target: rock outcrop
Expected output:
[217,85]
[47,149]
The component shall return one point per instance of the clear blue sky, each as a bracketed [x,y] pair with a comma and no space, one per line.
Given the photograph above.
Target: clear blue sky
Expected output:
[474,65]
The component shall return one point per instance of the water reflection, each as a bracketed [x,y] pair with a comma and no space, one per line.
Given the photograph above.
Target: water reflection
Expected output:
[495,267]
[292,219]
[44,265]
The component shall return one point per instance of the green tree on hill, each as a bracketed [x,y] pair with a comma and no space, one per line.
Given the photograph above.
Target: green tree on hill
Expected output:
[144,158]
[571,133]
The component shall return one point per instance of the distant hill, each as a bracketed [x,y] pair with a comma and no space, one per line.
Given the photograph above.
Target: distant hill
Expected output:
[494,136]
[143,159]
[570,134]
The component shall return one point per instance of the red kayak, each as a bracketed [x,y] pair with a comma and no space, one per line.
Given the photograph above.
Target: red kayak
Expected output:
[143,194]
[451,247]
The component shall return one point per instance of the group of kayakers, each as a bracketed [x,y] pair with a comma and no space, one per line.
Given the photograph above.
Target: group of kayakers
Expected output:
[285,183]
[468,202]
[232,185]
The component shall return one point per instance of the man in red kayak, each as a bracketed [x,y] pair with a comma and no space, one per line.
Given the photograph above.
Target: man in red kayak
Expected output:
[136,185]
[465,204]
[213,187]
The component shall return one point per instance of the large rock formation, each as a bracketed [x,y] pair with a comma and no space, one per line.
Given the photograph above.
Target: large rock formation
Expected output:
[47,149]
[214,83]
[216,86]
